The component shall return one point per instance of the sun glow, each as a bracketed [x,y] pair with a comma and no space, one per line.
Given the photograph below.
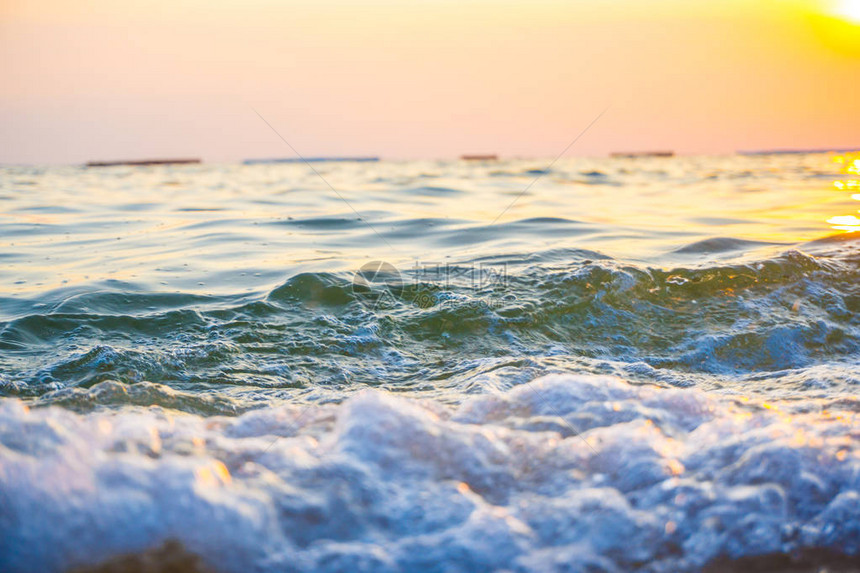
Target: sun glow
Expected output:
[849,10]
[839,27]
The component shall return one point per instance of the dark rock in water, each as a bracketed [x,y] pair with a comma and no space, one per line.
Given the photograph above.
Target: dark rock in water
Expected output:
[635,154]
[171,557]
[143,162]
[311,160]
[809,561]
[479,157]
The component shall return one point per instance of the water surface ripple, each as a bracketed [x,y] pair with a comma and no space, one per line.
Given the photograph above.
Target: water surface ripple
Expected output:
[659,351]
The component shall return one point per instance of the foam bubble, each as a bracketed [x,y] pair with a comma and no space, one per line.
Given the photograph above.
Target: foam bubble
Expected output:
[563,473]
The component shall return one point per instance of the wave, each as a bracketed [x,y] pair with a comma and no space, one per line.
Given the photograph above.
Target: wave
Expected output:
[568,311]
[563,473]
[720,245]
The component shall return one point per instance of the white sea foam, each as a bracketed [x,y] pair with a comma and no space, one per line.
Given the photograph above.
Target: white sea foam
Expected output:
[560,474]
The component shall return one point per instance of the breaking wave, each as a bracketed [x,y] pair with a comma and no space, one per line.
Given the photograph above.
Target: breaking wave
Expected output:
[565,473]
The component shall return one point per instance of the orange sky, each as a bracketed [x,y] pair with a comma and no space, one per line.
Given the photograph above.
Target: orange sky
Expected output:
[103,79]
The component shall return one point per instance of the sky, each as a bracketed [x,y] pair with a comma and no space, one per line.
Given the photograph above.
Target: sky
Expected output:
[112,79]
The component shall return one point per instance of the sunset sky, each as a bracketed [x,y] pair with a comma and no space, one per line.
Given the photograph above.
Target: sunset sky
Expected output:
[103,79]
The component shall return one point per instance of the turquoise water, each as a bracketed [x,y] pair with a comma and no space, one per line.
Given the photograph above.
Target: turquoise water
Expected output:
[220,334]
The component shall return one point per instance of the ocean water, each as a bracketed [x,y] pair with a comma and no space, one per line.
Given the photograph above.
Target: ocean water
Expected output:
[604,365]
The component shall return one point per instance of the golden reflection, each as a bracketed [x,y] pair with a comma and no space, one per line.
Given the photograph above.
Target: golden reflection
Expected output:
[213,475]
[848,223]
[844,220]
[850,165]
[850,184]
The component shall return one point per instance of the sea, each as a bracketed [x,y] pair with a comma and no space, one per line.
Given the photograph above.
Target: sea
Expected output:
[592,364]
